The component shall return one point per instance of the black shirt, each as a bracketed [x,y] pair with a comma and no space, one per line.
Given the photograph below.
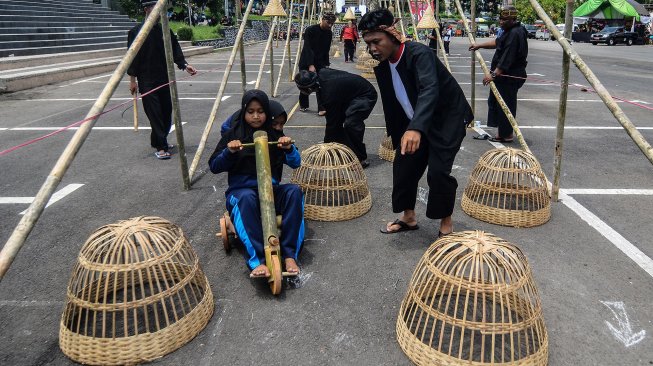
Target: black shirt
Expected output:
[317,43]
[511,51]
[149,65]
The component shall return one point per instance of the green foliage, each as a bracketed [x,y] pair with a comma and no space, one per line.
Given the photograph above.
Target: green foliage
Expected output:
[200,32]
[132,8]
[185,34]
[554,8]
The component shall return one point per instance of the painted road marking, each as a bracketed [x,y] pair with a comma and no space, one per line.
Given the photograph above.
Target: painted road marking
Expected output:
[55,197]
[93,99]
[615,191]
[630,250]
[623,331]
[100,128]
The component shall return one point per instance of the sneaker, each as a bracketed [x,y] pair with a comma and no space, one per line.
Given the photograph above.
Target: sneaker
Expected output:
[162,155]
[303,109]
[321,113]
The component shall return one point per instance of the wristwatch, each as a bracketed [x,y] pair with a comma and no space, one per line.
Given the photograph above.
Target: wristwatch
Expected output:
[493,74]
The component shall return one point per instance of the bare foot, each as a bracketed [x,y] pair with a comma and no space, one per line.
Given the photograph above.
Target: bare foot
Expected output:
[260,271]
[291,266]
[446,226]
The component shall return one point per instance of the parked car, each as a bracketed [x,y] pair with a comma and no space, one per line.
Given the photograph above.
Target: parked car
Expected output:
[482,30]
[543,34]
[531,29]
[613,35]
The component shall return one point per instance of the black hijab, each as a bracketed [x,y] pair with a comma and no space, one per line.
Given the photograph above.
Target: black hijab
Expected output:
[241,130]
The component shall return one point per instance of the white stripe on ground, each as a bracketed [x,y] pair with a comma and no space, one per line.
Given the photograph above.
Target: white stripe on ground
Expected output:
[16,200]
[100,128]
[57,196]
[641,259]
[610,191]
[30,303]
[481,131]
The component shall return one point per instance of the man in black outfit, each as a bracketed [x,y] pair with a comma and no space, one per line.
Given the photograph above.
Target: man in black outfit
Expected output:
[149,67]
[315,53]
[508,71]
[348,100]
[425,115]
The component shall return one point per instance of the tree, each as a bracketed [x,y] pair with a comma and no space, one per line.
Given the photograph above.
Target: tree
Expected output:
[554,8]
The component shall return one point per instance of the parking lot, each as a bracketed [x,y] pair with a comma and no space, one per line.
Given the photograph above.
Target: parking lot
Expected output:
[591,261]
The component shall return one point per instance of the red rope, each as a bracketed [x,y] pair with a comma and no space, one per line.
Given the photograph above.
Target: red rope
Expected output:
[79,123]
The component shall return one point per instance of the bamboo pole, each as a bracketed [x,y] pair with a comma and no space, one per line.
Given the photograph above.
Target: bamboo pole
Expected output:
[272,63]
[241,47]
[176,113]
[401,17]
[603,93]
[286,52]
[299,45]
[441,47]
[27,222]
[493,88]
[218,99]
[472,12]
[268,47]
[136,111]
[562,109]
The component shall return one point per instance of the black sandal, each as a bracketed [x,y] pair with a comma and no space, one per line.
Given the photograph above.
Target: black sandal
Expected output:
[402,227]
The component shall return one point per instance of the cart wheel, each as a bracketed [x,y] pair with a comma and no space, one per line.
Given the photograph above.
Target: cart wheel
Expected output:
[276,277]
[225,235]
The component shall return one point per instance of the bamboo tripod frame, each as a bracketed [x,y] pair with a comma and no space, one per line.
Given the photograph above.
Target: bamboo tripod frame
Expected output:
[218,98]
[268,47]
[27,222]
[441,47]
[300,44]
[401,17]
[495,91]
[286,53]
[176,113]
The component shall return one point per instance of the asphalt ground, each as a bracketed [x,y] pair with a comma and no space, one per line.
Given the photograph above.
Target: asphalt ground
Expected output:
[343,309]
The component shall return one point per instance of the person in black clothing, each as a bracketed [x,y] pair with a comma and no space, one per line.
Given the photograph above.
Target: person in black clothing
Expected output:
[425,115]
[348,100]
[315,53]
[149,68]
[508,71]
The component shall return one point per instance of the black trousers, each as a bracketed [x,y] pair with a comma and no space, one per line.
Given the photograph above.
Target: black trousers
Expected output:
[407,170]
[158,108]
[495,115]
[304,102]
[350,49]
[446,47]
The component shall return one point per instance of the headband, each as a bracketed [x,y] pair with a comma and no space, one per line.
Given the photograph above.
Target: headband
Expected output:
[390,29]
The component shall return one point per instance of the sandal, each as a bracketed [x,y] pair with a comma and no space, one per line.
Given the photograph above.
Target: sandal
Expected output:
[402,227]
[501,139]
[162,156]
[484,136]
[441,234]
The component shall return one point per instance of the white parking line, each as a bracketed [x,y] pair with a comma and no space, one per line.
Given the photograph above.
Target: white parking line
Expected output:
[55,197]
[641,259]
[613,191]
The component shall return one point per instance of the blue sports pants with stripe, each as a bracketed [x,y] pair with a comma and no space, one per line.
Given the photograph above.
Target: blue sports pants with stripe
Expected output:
[243,206]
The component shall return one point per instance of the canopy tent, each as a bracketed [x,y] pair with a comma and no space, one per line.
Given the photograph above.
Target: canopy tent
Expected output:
[610,9]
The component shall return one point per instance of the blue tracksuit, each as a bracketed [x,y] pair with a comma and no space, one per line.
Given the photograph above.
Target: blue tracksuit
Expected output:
[243,206]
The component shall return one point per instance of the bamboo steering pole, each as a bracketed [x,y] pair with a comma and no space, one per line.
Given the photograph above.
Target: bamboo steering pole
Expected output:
[495,91]
[603,93]
[26,224]
[218,98]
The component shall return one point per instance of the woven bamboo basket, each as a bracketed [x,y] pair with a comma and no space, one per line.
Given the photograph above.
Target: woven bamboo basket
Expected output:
[472,301]
[362,61]
[334,184]
[428,20]
[386,151]
[368,70]
[507,187]
[136,293]
[274,8]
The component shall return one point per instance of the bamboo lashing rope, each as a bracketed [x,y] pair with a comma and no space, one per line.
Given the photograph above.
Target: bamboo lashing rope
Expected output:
[27,222]
[218,99]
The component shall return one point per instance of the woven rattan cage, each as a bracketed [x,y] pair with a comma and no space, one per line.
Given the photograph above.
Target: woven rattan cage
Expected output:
[507,187]
[368,70]
[362,61]
[136,293]
[386,152]
[428,20]
[472,301]
[274,8]
[333,182]
[349,15]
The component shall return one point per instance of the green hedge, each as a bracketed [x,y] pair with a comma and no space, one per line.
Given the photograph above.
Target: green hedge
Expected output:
[185,34]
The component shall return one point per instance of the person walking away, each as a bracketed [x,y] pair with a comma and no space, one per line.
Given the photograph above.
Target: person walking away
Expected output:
[350,35]
[348,100]
[315,53]
[508,71]
[446,39]
[147,72]
[425,115]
